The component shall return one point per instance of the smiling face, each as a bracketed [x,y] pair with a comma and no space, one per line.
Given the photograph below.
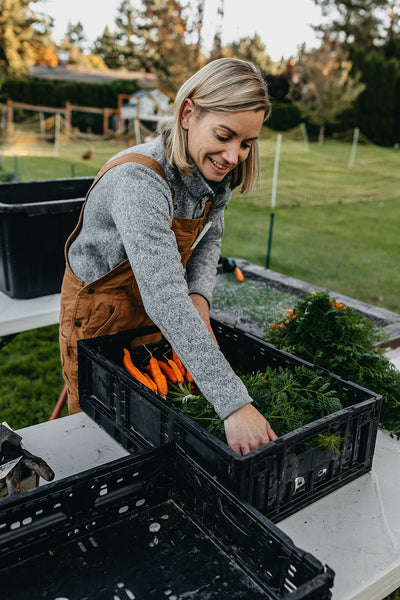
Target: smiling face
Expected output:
[218,142]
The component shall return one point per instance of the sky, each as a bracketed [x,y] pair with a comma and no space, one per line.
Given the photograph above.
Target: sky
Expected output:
[283,25]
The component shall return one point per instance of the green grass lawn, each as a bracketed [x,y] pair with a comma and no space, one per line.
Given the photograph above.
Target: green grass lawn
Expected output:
[350,248]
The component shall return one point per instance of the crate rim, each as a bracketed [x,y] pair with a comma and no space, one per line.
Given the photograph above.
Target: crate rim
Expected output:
[300,434]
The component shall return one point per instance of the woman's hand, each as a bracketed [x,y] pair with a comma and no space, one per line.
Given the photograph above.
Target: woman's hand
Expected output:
[246,429]
[204,311]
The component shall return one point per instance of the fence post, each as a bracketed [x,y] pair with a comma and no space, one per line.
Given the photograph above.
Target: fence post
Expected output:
[3,134]
[305,135]
[273,196]
[68,119]
[42,125]
[137,123]
[56,133]
[353,147]
[10,116]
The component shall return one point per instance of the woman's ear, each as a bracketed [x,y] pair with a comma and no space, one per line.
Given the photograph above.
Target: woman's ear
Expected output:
[187,113]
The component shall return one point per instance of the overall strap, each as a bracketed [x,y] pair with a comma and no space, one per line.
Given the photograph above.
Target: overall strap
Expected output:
[132,157]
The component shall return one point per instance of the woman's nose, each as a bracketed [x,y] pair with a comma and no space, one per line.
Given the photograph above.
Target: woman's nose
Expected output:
[231,154]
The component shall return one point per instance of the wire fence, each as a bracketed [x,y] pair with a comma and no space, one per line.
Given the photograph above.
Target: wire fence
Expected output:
[337,171]
[307,173]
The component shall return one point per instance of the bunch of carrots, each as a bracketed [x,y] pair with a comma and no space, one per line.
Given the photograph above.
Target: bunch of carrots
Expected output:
[158,374]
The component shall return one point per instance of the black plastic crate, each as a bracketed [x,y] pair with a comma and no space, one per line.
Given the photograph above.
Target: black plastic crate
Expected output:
[36,218]
[278,479]
[154,525]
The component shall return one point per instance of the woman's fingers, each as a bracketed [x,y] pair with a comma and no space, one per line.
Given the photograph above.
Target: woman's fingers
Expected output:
[246,429]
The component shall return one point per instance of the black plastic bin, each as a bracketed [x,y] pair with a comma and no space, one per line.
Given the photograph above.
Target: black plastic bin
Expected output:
[278,479]
[154,525]
[36,218]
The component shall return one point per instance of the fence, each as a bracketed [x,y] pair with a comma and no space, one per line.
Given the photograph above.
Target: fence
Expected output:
[336,172]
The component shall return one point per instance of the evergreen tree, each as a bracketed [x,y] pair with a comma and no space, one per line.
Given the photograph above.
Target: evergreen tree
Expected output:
[75,35]
[107,48]
[378,110]
[128,38]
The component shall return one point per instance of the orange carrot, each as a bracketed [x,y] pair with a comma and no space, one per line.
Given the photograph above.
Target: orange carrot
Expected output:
[188,376]
[176,370]
[158,376]
[178,362]
[132,370]
[168,371]
[239,274]
[151,382]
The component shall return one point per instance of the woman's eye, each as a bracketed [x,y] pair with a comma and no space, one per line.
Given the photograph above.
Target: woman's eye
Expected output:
[245,145]
[222,138]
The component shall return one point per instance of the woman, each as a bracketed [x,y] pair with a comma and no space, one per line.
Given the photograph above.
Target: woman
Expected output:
[148,241]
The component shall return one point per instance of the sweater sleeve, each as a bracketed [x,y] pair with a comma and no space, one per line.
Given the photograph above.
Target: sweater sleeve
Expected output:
[142,211]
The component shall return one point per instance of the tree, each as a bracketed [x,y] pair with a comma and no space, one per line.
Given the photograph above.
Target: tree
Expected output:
[357,24]
[128,39]
[18,37]
[251,49]
[75,35]
[392,46]
[44,48]
[378,110]
[324,88]
[107,48]
[216,51]
[166,52]
[198,28]
[45,56]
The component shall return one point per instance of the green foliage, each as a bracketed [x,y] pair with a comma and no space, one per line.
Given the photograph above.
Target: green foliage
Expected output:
[361,25]
[30,377]
[326,88]
[57,93]
[342,340]
[327,440]
[378,106]
[251,49]
[107,49]
[288,399]
[394,595]
[127,38]
[17,37]
[167,49]
[284,116]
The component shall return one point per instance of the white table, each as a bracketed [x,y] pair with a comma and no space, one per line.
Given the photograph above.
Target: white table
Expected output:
[355,529]
[71,444]
[22,315]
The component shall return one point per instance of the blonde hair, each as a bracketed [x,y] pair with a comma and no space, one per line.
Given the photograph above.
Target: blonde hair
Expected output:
[226,85]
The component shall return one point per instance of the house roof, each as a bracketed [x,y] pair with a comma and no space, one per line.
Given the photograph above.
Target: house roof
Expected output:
[69,73]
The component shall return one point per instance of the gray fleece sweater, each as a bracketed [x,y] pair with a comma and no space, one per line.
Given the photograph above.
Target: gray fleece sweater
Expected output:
[129,214]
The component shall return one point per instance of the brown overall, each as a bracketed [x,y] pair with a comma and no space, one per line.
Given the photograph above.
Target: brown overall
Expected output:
[113,302]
